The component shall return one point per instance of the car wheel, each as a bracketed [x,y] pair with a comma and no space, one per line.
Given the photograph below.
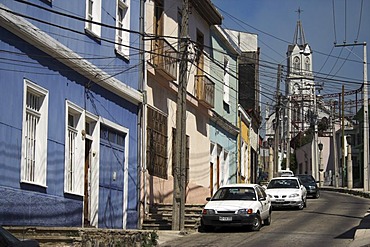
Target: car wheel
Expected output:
[301,205]
[205,228]
[317,195]
[267,221]
[257,223]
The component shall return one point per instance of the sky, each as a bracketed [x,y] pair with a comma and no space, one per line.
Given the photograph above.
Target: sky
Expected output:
[324,22]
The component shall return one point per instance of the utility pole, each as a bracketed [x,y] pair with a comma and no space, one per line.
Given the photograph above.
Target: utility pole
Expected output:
[366,117]
[342,141]
[315,168]
[349,164]
[366,127]
[179,183]
[288,133]
[277,122]
[336,178]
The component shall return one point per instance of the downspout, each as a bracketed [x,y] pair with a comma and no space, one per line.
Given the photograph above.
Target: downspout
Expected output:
[141,178]
[239,146]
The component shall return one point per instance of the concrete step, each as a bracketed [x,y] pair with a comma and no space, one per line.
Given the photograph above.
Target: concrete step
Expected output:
[160,217]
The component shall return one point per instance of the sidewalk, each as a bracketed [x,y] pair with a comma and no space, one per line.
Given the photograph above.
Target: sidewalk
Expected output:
[362,235]
[168,235]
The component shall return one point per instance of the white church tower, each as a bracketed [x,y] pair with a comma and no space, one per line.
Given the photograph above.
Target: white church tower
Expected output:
[300,86]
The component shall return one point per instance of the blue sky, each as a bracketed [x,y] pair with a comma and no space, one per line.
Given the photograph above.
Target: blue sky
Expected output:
[275,20]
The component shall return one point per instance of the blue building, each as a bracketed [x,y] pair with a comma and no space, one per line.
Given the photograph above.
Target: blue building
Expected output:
[224,129]
[69,121]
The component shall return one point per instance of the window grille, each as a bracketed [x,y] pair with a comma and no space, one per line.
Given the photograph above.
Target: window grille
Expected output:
[157,143]
[32,120]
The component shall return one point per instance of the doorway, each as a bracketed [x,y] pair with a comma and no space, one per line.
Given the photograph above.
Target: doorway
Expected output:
[87,182]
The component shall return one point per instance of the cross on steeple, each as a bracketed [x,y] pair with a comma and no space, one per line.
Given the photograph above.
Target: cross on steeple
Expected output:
[299,11]
[299,34]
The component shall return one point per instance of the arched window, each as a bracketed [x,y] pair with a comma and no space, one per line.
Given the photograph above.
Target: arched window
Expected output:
[296,64]
[307,65]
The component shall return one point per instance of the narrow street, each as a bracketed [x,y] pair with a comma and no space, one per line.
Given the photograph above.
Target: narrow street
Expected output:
[330,220]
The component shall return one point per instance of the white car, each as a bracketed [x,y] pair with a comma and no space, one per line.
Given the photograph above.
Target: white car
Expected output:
[286,173]
[237,205]
[287,192]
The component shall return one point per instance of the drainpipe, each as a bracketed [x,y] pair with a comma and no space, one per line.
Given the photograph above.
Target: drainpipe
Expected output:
[141,167]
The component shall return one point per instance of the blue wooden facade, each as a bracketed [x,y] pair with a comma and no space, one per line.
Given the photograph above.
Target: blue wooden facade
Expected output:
[90,97]
[223,127]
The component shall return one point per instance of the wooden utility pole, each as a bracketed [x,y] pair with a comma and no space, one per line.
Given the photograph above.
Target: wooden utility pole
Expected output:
[277,122]
[179,180]
[342,141]
[336,175]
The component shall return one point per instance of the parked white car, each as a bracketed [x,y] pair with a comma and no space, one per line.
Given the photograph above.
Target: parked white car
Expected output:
[287,192]
[237,205]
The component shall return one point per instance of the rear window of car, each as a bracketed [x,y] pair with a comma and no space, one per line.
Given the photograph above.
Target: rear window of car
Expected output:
[283,183]
[235,193]
[306,179]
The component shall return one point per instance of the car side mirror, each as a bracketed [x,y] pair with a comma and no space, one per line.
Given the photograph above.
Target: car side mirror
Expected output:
[208,199]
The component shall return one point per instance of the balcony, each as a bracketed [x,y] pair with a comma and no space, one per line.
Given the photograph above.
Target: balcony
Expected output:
[204,90]
[164,59]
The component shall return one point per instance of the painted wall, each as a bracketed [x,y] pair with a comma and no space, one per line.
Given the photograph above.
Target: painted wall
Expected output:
[26,204]
[161,94]
[227,111]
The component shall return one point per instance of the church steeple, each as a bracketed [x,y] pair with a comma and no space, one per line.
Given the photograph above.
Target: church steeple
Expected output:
[300,80]
[299,38]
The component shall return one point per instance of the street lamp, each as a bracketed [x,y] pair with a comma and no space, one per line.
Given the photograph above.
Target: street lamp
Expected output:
[321,166]
[349,163]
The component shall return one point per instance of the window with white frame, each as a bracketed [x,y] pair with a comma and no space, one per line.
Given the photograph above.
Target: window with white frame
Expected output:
[93,14]
[34,134]
[74,149]
[123,23]
[226,80]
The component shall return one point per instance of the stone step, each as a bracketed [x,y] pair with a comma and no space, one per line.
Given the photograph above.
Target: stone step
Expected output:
[160,217]
[169,215]
[160,226]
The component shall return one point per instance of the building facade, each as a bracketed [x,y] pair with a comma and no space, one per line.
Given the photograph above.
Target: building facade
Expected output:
[163,25]
[249,96]
[224,130]
[69,132]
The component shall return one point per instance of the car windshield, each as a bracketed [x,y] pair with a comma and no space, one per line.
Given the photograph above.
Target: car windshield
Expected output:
[283,183]
[235,193]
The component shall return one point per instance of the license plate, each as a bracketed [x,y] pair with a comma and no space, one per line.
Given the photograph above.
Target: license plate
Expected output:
[225,218]
[280,200]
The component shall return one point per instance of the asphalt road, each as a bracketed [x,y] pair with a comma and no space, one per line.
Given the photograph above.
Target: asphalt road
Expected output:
[330,220]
